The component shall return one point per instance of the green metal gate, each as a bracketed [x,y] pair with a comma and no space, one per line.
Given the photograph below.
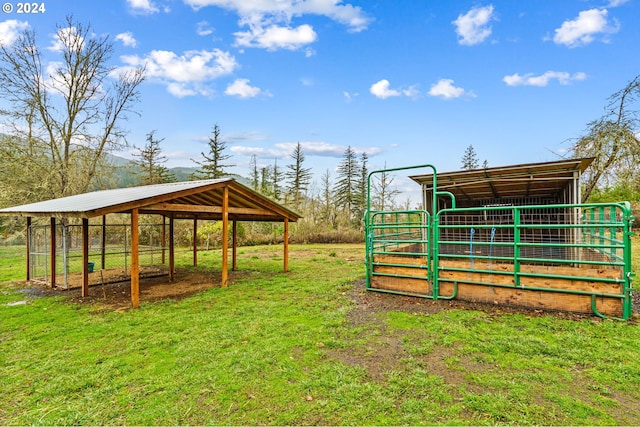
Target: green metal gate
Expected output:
[398,248]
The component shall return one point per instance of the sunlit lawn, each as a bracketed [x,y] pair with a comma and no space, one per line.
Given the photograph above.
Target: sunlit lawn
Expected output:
[284,349]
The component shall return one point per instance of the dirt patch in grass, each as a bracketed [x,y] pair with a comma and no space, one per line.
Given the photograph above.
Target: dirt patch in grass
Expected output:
[368,303]
[117,295]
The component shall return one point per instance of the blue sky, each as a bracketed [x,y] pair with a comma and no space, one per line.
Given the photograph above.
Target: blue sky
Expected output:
[408,81]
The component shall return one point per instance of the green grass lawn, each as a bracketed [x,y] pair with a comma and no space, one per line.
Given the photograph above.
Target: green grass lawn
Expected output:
[295,349]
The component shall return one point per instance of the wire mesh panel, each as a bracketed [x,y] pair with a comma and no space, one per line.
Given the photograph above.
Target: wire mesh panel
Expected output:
[580,250]
[39,253]
[109,253]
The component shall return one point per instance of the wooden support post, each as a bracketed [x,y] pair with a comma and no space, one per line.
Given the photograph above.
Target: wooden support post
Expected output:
[52,253]
[225,237]
[195,242]
[135,260]
[171,250]
[286,245]
[28,275]
[234,246]
[85,257]
[103,243]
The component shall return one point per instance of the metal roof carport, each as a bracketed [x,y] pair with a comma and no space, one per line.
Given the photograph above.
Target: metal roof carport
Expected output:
[222,199]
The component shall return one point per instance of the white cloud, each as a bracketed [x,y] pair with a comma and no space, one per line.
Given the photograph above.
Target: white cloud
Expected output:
[584,29]
[283,10]
[616,3]
[275,37]
[473,27]
[313,148]
[381,89]
[10,30]
[186,74]
[282,150]
[269,26]
[242,89]
[127,39]
[259,152]
[412,92]
[143,6]
[444,88]
[204,29]
[542,80]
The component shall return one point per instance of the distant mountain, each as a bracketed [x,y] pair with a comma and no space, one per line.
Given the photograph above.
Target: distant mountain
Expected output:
[124,173]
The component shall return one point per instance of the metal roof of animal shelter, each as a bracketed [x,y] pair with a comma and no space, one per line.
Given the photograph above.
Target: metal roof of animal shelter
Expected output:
[190,199]
[545,179]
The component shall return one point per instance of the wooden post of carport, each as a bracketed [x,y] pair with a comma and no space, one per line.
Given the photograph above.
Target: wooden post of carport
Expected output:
[225,237]
[172,258]
[286,245]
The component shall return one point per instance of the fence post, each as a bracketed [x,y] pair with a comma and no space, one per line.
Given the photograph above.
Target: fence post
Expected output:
[516,246]
[52,252]
[28,275]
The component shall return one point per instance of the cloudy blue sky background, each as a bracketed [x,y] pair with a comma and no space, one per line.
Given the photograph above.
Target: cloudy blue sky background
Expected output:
[407,81]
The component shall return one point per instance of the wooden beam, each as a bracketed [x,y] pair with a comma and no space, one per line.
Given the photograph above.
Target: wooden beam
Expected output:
[85,257]
[286,245]
[225,237]
[28,275]
[176,207]
[52,253]
[172,258]
[234,245]
[135,260]
[195,242]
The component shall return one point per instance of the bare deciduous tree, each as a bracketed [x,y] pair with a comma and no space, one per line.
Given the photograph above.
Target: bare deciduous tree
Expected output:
[612,140]
[64,114]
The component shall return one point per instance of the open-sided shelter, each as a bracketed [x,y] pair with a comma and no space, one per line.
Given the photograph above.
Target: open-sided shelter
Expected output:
[518,235]
[223,199]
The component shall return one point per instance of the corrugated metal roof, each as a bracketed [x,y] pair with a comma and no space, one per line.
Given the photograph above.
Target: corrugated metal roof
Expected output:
[531,179]
[249,204]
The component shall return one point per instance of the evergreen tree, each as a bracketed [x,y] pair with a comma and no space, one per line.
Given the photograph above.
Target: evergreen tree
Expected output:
[298,178]
[150,163]
[276,179]
[255,174]
[213,167]
[265,180]
[346,188]
[470,159]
